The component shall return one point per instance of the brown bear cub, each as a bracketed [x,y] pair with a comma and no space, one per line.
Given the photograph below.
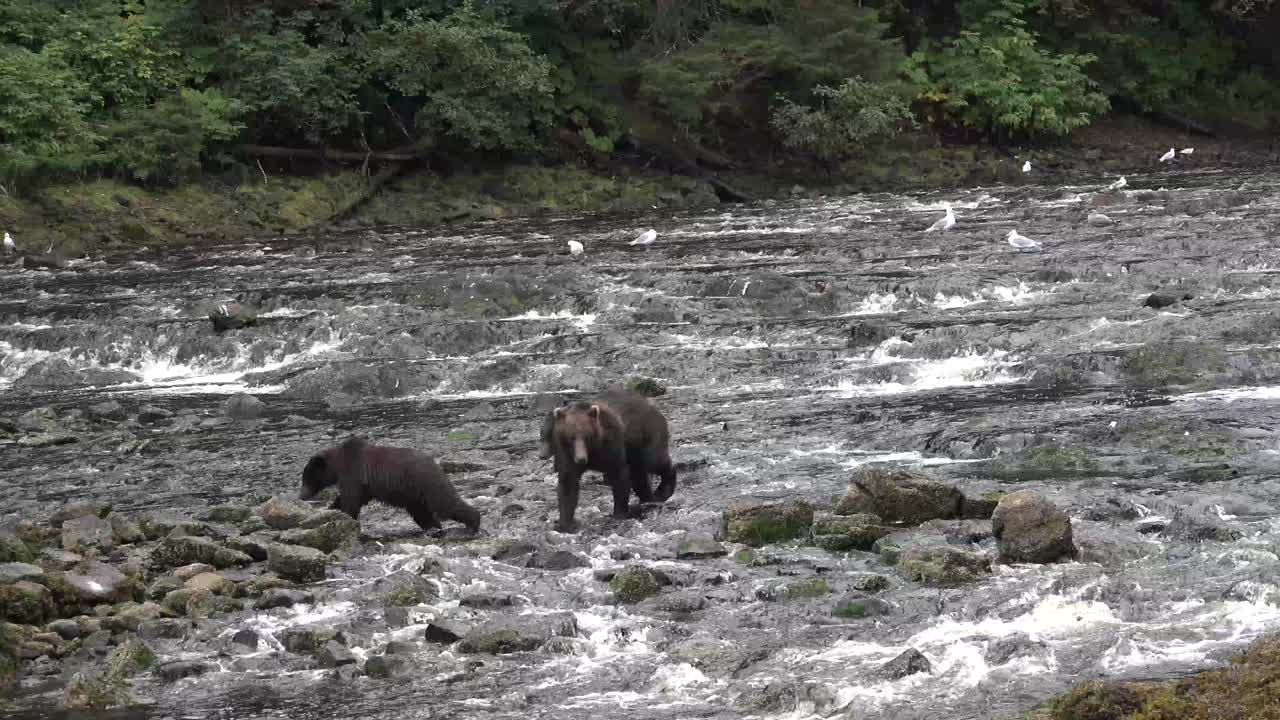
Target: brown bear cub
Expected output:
[399,477]
[620,435]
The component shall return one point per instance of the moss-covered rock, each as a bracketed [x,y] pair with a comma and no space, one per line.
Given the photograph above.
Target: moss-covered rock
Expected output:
[13,549]
[524,633]
[848,532]
[107,686]
[25,603]
[1030,529]
[325,532]
[805,588]
[760,522]
[176,552]
[296,562]
[633,584]
[898,495]
[943,566]
[858,608]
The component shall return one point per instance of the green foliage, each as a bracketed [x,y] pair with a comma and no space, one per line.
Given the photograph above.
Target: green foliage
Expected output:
[995,77]
[846,118]
[735,69]
[165,141]
[43,109]
[478,82]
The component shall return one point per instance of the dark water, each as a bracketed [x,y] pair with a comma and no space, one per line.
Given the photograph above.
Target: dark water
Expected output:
[798,342]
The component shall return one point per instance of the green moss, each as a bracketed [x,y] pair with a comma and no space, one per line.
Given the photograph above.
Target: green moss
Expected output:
[852,609]
[1173,363]
[633,584]
[1056,458]
[13,549]
[758,524]
[462,436]
[807,588]
[8,657]
[746,556]
[404,597]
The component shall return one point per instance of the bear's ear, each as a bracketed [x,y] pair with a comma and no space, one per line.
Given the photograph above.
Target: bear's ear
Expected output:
[559,413]
[594,412]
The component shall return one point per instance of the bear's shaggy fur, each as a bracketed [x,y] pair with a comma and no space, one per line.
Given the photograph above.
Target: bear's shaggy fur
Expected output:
[399,477]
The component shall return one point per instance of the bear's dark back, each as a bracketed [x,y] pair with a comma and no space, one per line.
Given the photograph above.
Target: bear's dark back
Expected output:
[645,426]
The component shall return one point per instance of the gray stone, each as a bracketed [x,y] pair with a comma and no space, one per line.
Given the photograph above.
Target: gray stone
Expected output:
[108,410]
[125,531]
[1030,529]
[12,572]
[186,572]
[910,662]
[296,562]
[694,546]
[243,406]
[254,545]
[246,638]
[179,669]
[283,597]
[943,565]
[334,654]
[163,628]
[522,633]
[897,495]
[444,632]
[284,514]
[60,559]
[387,666]
[335,530]
[66,629]
[756,522]
[98,582]
[87,532]
[150,414]
[232,316]
[400,647]
[557,560]
[840,533]
[176,552]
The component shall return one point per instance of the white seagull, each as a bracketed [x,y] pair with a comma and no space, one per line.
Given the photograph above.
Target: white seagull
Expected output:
[1167,156]
[646,238]
[1026,166]
[1187,151]
[575,247]
[947,222]
[9,245]
[1021,242]
[1118,184]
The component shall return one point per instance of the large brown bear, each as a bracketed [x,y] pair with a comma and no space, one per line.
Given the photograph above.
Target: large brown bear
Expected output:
[399,477]
[620,435]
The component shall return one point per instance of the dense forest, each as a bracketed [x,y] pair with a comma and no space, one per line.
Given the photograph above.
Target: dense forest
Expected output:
[155,91]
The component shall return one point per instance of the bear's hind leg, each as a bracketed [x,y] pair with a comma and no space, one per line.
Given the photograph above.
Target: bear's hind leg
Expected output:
[426,519]
[667,487]
[639,473]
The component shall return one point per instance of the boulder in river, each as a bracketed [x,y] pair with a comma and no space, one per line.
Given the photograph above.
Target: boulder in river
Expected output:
[943,565]
[758,522]
[56,373]
[284,514]
[176,670]
[242,406]
[898,495]
[11,572]
[848,532]
[232,316]
[326,532]
[633,584]
[176,552]
[1030,529]
[909,662]
[102,687]
[92,582]
[296,562]
[694,546]
[25,603]
[1164,297]
[87,532]
[523,633]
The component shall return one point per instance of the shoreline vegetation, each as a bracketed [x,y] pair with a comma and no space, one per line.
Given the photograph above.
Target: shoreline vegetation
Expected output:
[131,123]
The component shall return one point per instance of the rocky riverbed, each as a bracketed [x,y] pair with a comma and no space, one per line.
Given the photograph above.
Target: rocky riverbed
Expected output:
[920,475]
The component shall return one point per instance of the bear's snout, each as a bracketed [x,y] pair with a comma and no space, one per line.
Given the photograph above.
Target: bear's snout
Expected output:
[580,451]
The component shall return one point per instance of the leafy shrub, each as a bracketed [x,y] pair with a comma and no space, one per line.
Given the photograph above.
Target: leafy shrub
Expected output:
[477,81]
[846,118]
[165,142]
[43,110]
[996,78]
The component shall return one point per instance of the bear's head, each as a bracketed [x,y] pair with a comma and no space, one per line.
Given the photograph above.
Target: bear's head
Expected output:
[579,426]
[317,475]
[323,468]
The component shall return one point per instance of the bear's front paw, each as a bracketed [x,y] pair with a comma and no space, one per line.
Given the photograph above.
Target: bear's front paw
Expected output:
[566,526]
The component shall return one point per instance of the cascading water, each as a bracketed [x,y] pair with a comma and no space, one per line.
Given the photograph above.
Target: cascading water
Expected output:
[799,342]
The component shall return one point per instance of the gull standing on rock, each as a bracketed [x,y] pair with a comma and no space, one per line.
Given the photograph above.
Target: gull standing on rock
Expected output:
[947,222]
[1118,184]
[1167,156]
[9,245]
[1021,242]
[646,238]
[575,247]
[1026,166]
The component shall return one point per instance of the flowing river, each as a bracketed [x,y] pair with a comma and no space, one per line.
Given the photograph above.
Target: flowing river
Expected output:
[797,341]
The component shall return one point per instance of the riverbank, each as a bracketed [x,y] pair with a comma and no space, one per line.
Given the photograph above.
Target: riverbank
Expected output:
[1244,689]
[107,216]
